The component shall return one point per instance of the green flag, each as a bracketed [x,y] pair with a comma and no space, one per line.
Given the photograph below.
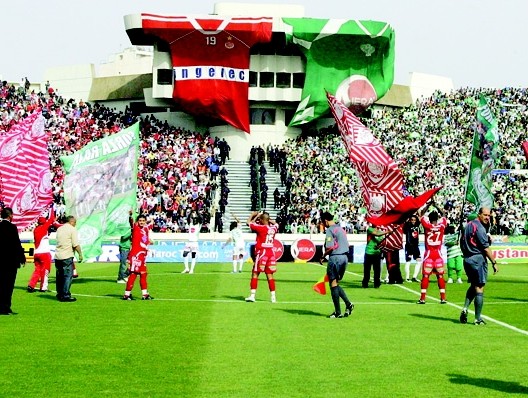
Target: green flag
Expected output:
[100,188]
[352,60]
[483,157]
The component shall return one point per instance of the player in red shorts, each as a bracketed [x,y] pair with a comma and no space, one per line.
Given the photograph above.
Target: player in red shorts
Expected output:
[264,256]
[42,254]
[434,228]
[137,257]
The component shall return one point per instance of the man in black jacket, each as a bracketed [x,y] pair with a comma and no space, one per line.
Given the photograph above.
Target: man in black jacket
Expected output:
[12,257]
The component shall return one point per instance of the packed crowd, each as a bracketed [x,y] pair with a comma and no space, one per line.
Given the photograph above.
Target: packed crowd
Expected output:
[175,165]
[430,141]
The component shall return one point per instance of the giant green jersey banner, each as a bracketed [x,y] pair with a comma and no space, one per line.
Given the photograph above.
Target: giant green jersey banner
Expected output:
[100,188]
[353,60]
[483,157]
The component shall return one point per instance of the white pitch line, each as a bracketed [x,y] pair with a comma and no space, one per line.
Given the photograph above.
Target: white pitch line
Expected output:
[490,319]
[503,324]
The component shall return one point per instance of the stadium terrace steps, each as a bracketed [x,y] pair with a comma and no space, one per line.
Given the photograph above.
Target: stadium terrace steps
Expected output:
[239,199]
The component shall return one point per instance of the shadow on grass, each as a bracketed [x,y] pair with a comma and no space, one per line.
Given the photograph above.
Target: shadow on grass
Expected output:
[83,279]
[511,299]
[301,312]
[236,298]
[400,300]
[436,318]
[510,387]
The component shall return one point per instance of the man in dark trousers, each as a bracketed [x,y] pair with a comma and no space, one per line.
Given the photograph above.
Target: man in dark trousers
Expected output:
[12,257]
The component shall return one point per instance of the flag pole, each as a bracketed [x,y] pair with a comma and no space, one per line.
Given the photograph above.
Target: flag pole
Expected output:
[467,180]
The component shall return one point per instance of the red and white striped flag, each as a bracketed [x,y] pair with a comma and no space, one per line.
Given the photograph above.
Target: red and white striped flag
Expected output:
[25,175]
[381,180]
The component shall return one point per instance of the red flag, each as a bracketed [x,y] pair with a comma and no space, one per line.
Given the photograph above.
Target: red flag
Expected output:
[525,149]
[210,60]
[381,180]
[403,210]
[322,285]
[25,170]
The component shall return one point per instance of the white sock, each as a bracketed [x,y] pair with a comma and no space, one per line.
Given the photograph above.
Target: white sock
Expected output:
[186,262]
[407,269]
[144,292]
[193,263]
[417,269]
[240,265]
[234,265]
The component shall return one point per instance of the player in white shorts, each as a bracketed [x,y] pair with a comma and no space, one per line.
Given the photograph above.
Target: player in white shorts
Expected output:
[192,244]
[239,246]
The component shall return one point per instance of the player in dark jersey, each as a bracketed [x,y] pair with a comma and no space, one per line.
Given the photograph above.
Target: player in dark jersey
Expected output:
[411,229]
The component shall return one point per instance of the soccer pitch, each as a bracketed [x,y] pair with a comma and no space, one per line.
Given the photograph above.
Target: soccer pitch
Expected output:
[199,338]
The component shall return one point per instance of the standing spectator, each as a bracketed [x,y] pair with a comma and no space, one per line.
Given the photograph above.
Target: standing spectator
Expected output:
[434,229]
[455,260]
[219,224]
[239,246]
[67,246]
[42,253]
[372,259]
[124,249]
[336,248]
[411,229]
[264,256]
[137,258]
[12,258]
[195,224]
[475,245]
[276,198]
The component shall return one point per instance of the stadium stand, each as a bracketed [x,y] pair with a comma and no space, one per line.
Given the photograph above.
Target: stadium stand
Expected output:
[430,140]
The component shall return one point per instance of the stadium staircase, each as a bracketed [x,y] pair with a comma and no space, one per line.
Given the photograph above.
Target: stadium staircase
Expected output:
[239,199]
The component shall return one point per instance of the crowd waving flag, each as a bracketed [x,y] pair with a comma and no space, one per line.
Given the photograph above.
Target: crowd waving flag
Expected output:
[210,58]
[483,157]
[25,175]
[100,188]
[381,180]
[525,149]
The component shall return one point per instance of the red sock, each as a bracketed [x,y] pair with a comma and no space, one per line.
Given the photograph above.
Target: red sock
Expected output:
[424,286]
[130,283]
[441,286]
[271,284]
[253,284]
[143,281]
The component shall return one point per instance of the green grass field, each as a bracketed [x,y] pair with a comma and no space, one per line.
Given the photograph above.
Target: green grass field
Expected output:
[198,338]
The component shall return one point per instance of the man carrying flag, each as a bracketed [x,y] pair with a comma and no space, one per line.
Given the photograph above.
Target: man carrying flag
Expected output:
[336,248]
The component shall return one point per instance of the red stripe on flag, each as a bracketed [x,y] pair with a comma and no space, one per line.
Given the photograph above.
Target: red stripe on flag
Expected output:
[25,171]
[381,180]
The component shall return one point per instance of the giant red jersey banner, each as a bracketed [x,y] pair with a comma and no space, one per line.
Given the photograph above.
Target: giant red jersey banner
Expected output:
[210,59]
[25,171]
[381,180]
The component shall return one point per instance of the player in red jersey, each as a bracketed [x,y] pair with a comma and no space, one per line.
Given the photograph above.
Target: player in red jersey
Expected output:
[137,257]
[434,228]
[42,254]
[264,256]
